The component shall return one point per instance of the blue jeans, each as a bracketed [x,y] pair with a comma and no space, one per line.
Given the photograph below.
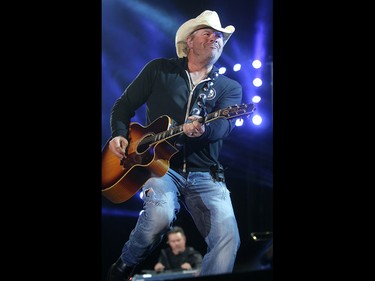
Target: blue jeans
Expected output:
[210,206]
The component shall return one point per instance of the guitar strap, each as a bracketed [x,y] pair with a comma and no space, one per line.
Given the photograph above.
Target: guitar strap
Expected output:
[199,106]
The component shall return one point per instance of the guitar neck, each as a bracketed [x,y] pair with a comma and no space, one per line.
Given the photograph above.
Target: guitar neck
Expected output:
[177,130]
[174,131]
[227,113]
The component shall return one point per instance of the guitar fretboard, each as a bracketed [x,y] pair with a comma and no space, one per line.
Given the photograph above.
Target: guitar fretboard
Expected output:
[228,113]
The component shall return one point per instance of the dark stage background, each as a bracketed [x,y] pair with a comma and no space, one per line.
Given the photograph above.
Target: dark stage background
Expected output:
[135,32]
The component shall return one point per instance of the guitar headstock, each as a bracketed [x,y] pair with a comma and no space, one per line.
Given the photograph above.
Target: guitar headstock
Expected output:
[237,110]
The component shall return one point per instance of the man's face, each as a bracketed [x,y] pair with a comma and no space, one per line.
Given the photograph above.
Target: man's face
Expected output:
[207,42]
[177,242]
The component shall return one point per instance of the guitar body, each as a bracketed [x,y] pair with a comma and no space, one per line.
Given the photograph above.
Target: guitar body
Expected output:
[122,180]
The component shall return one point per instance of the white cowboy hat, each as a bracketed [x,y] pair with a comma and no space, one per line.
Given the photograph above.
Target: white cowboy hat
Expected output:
[207,18]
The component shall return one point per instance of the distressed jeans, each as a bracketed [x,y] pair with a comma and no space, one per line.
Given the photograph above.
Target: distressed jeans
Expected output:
[210,206]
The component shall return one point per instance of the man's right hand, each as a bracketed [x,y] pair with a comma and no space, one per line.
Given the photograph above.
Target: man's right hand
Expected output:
[159,267]
[118,146]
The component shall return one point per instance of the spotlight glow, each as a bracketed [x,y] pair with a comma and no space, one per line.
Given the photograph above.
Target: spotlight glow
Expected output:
[257,64]
[257,82]
[256,99]
[257,119]
[222,70]
[237,67]
[239,122]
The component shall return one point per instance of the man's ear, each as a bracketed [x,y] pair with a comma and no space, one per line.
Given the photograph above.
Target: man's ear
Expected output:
[189,41]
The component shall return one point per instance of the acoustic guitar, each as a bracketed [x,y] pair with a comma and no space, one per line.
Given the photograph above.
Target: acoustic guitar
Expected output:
[149,152]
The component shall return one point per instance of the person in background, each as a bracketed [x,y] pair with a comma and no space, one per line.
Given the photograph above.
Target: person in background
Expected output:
[186,89]
[177,256]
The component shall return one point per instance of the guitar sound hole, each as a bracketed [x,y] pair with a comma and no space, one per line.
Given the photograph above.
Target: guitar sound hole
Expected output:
[145,143]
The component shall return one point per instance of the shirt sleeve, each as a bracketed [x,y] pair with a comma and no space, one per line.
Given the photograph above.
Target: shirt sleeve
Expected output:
[221,127]
[134,96]
[195,258]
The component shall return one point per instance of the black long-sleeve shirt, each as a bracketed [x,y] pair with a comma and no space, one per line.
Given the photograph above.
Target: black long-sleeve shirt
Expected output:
[163,84]
[172,261]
